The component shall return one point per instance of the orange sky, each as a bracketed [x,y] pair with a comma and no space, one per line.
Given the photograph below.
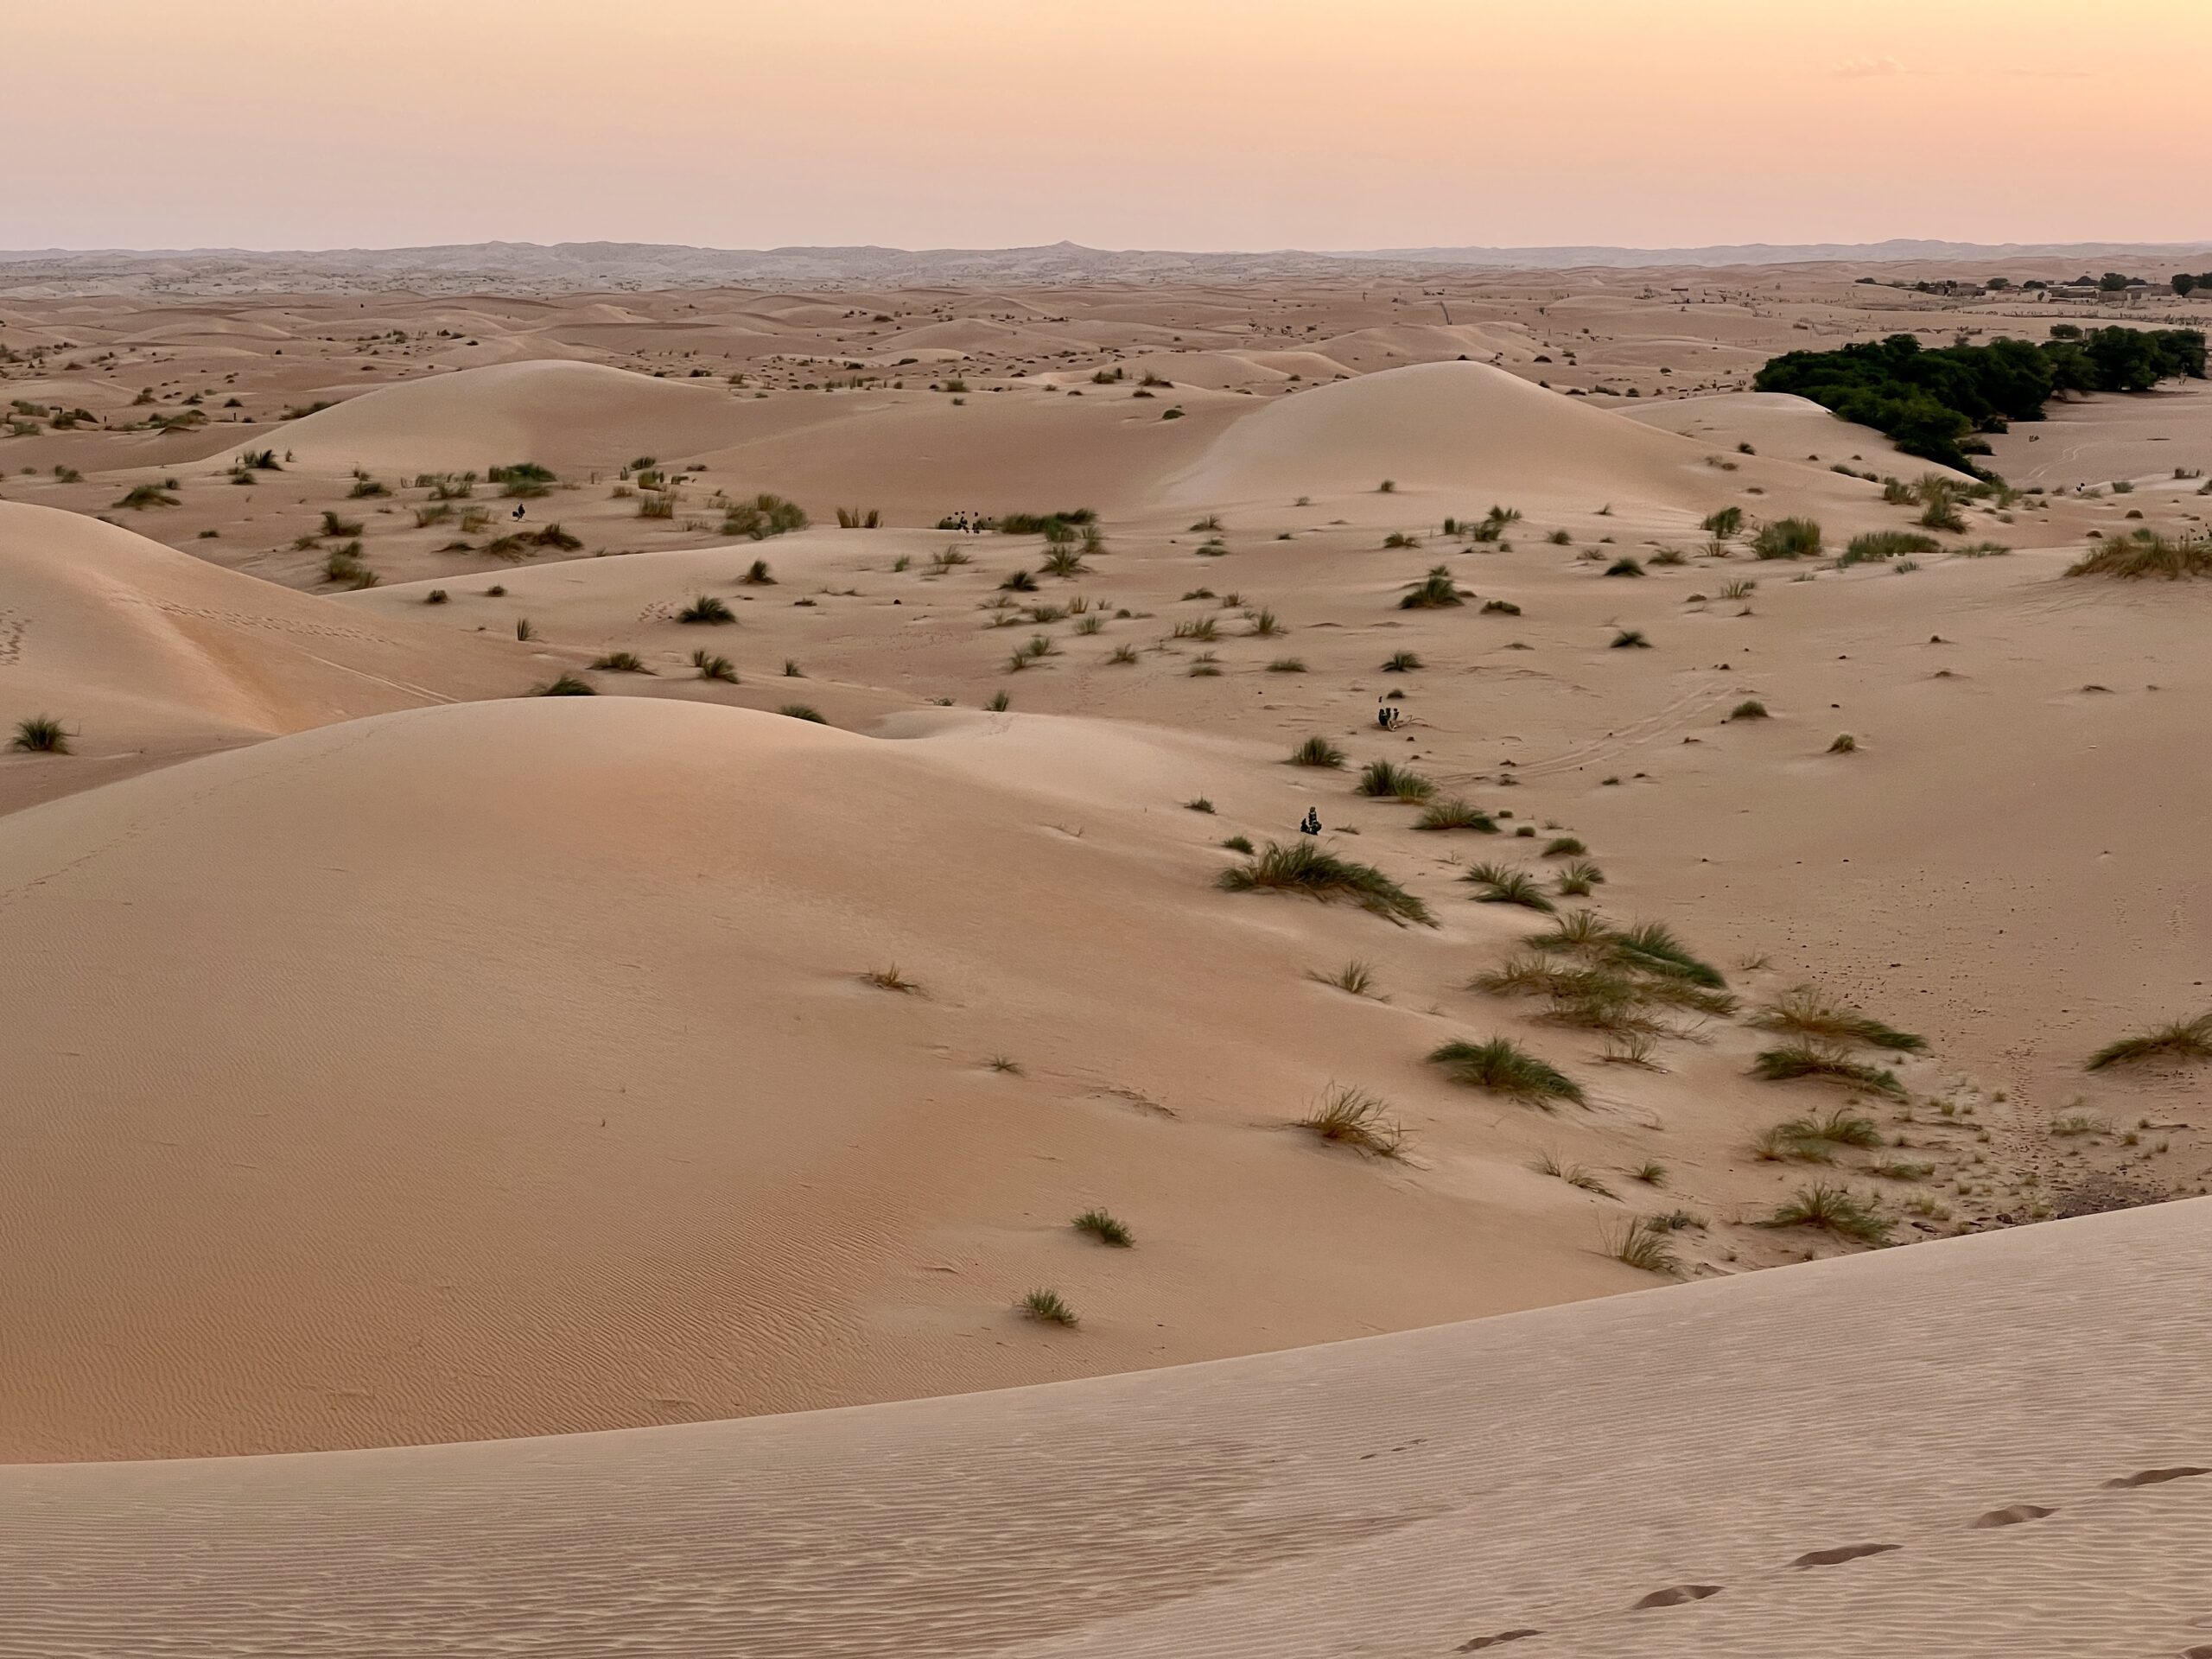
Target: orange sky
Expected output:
[1195,124]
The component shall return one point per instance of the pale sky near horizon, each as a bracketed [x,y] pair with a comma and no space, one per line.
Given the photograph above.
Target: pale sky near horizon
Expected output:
[1163,124]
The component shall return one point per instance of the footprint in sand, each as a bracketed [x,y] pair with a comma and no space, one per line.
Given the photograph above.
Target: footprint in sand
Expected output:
[1842,1553]
[1676,1594]
[2010,1516]
[2154,1478]
[1481,1642]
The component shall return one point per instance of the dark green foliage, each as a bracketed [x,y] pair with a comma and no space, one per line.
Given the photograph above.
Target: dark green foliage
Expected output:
[1623,566]
[1931,401]
[568,685]
[621,662]
[802,711]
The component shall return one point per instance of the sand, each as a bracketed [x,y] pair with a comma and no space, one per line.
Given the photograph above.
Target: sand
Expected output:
[442,1118]
[2007,1425]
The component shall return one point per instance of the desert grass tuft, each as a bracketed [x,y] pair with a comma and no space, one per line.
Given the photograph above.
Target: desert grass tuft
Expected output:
[565,685]
[1303,866]
[40,734]
[1353,1117]
[2187,1042]
[1355,976]
[1317,751]
[1452,813]
[1644,1243]
[1835,1210]
[1807,1011]
[620,662]
[1502,1066]
[1386,780]
[1502,884]
[1104,1227]
[708,609]
[890,979]
[712,667]
[1046,1307]
[1433,592]
[1824,1062]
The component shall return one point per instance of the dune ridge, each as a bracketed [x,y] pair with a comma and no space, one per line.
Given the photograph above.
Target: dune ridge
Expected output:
[1442,1490]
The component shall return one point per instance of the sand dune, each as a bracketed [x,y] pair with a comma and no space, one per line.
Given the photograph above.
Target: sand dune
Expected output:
[649,1147]
[412,1063]
[562,414]
[1777,423]
[1445,426]
[139,649]
[1856,1459]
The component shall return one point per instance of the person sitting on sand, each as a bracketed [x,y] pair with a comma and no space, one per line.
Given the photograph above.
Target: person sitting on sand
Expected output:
[1387,715]
[1310,823]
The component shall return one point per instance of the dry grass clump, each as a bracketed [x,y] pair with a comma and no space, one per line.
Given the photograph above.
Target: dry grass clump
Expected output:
[1788,538]
[1877,545]
[1808,1011]
[1355,976]
[890,979]
[1575,1175]
[2186,1042]
[1353,1117]
[712,667]
[1811,1139]
[1824,1062]
[1046,1308]
[1614,980]
[1643,1242]
[708,609]
[1104,1227]
[565,685]
[1386,780]
[40,734]
[1316,751]
[1452,813]
[1835,1210]
[620,662]
[1305,867]
[1502,884]
[1433,592]
[2147,553]
[1502,1066]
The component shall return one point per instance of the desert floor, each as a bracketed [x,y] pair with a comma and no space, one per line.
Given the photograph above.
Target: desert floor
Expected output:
[397,1059]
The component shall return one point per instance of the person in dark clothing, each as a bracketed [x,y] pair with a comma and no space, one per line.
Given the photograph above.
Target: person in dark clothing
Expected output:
[1310,823]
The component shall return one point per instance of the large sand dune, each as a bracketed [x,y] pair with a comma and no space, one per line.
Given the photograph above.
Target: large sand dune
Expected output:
[1464,427]
[560,414]
[136,647]
[566,1104]
[1987,1447]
